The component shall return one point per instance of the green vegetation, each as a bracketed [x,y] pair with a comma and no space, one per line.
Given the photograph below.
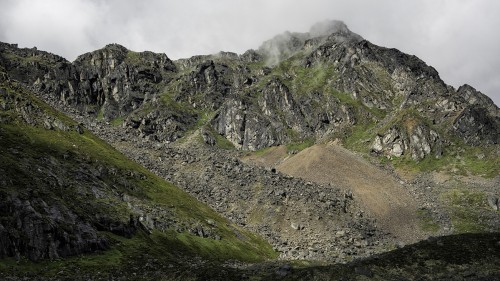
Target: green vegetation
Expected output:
[38,141]
[258,152]
[405,120]
[359,137]
[427,222]
[313,79]
[130,255]
[222,142]
[301,145]
[133,58]
[171,104]
[460,159]
[466,209]
[26,60]
[380,73]
[100,114]
[255,66]
[84,150]
[118,121]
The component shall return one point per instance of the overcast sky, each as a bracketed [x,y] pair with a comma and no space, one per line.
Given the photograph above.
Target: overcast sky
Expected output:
[459,38]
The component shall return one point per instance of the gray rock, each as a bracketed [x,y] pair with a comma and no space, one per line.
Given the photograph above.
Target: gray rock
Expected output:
[364,270]
[418,141]
[284,270]
[493,202]
[208,137]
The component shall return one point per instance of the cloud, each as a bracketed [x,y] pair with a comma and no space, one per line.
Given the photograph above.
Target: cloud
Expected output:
[42,24]
[458,38]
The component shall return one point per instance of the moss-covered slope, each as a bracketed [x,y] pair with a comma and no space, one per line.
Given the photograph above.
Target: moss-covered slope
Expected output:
[66,193]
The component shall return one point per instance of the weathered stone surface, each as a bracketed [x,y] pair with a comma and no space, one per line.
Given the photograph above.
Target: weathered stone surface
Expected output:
[476,128]
[255,106]
[493,202]
[413,139]
[38,230]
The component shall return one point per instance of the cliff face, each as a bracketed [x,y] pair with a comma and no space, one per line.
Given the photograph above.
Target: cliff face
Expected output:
[319,85]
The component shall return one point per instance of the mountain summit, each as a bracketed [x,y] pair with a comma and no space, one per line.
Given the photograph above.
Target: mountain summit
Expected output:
[286,44]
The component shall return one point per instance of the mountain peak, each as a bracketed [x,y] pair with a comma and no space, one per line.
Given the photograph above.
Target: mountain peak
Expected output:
[327,27]
[110,50]
[284,45]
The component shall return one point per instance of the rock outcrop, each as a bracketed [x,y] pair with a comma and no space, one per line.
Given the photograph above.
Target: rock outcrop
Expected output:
[38,230]
[409,137]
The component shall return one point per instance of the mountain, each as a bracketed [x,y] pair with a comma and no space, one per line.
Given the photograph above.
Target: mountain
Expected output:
[322,144]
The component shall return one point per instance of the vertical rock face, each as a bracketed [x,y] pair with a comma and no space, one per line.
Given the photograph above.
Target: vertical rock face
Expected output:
[479,122]
[245,128]
[231,122]
[207,85]
[473,97]
[115,81]
[276,116]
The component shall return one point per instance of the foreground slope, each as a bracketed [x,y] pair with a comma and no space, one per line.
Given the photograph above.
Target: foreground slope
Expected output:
[66,193]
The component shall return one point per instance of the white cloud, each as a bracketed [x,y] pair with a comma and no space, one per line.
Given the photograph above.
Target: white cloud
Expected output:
[458,38]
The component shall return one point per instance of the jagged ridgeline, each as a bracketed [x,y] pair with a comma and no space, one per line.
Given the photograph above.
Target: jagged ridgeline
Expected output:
[296,88]
[64,193]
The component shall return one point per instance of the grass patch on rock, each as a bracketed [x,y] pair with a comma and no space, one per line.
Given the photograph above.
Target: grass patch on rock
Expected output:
[299,145]
[467,209]
[427,222]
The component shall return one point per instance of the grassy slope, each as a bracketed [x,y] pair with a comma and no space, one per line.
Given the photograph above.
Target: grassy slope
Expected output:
[163,247]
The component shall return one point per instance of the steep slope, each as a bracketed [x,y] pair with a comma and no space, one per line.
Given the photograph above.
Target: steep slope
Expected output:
[380,194]
[66,193]
[296,211]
